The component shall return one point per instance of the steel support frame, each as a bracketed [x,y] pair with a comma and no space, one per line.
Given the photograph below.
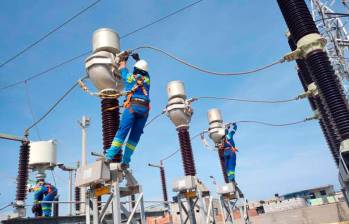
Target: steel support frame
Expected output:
[187,214]
[114,200]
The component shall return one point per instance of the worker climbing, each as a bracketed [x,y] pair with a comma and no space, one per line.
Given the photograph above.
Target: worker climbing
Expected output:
[135,115]
[230,152]
[45,192]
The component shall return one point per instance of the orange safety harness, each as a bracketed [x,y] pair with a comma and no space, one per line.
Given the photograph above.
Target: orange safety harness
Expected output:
[139,84]
[49,187]
[234,149]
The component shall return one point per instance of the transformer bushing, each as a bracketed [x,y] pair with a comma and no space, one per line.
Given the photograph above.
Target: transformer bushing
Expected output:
[22,178]
[100,67]
[229,193]
[189,188]
[326,125]
[217,132]
[310,46]
[179,111]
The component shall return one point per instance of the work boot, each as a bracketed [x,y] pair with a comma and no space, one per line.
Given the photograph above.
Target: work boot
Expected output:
[124,166]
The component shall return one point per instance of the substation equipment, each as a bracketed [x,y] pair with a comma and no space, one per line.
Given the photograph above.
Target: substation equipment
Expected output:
[163,184]
[192,194]
[310,48]
[22,176]
[230,196]
[333,28]
[102,178]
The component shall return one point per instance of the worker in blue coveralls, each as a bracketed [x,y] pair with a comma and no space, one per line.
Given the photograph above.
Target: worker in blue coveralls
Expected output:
[230,152]
[136,105]
[43,192]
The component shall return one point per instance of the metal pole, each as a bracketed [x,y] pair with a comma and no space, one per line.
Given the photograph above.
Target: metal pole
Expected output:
[84,123]
[70,192]
[116,203]
[95,210]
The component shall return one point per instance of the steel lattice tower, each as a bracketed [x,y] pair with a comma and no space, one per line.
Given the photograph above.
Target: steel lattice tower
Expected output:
[332,27]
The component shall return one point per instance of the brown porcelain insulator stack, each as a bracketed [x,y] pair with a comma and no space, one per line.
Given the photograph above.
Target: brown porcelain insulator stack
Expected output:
[187,152]
[110,124]
[300,23]
[23,171]
[77,199]
[163,183]
[331,136]
[221,160]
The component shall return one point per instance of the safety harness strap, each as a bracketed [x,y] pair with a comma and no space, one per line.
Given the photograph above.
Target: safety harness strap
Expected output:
[139,84]
[234,149]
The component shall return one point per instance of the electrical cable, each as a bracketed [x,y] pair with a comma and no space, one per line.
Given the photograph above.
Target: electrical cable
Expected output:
[160,19]
[53,177]
[49,33]
[247,121]
[34,76]
[53,106]
[6,206]
[207,71]
[273,125]
[154,118]
[247,100]
[88,52]
[26,90]
[175,152]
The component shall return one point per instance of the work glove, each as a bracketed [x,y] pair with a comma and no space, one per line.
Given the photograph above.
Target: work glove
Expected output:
[135,56]
[123,56]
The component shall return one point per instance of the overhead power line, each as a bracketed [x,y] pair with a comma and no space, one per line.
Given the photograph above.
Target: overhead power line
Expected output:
[247,121]
[26,90]
[246,100]
[53,107]
[34,76]
[48,34]
[208,71]
[161,19]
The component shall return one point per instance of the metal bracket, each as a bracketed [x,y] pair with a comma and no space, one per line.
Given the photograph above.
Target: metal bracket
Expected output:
[306,45]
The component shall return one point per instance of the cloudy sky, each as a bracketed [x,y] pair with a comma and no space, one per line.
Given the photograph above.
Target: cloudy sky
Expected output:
[217,35]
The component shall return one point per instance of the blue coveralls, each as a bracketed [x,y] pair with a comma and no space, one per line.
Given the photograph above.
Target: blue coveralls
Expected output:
[230,154]
[46,192]
[133,118]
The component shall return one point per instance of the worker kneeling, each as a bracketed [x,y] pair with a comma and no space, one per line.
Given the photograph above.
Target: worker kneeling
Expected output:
[45,192]
[136,105]
[230,152]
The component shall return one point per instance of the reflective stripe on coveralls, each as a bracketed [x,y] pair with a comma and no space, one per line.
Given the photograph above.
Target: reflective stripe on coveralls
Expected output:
[230,154]
[134,117]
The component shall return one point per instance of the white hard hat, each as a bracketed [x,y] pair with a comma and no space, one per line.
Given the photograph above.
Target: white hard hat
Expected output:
[141,65]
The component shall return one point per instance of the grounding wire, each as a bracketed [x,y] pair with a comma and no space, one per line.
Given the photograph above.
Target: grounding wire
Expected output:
[207,71]
[88,52]
[49,33]
[246,100]
[53,106]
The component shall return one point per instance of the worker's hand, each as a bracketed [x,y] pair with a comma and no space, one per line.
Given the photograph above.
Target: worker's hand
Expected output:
[123,58]
[135,56]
